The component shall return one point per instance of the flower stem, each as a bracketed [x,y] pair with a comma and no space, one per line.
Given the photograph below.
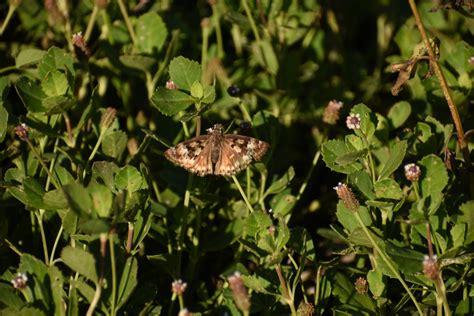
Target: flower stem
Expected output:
[243,194]
[388,263]
[286,294]
[124,12]
[444,87]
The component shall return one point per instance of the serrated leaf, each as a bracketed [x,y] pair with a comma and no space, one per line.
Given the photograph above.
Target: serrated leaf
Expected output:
[376,283]
[29,56]
[345,292]
[283,203]
[368,120]
[347,218]
[30,94]
[104,172]
[102,199]
[398,114]
[184,72]
[171,102]
[80,261]
[151,33]
[362,181]
[258,284]
[114,144]
[408,260]
[333,149]
[78,199]
[396,154]
[434,176]
[388,189]
[54,83]
[350,157]
[55,200]
[129,178]
[257,221]
[56,59]
[57,104]
[197,90]
[209,94]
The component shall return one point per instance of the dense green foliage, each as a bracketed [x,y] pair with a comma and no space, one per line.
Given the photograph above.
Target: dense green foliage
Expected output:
[98,221]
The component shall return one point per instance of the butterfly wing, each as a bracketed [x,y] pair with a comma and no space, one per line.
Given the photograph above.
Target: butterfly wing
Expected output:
[237,152]
[193,155]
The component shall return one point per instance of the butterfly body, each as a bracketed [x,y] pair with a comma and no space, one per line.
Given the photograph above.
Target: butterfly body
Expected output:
[216,153]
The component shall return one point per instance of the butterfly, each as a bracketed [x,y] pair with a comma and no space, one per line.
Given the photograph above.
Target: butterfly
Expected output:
[216,153]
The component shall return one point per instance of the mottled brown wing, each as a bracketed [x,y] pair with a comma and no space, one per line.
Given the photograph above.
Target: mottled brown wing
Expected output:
[237,152]
[193,155]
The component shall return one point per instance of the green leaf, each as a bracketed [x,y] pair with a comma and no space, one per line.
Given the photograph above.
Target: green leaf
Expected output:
[9,297]
[257,221]
[151,33]
[408,260]
[55,200]
[279,185]
[333,149]
[114,144]
[56,59]
[256,283]
[302,243]
[398,114]
[388,189]
[128,281]
[30,94]
[395,158]
[345,292]
[467,210]
[78,199]
[129,178]
[102,199]
[348,219]
[362,181]
[368,120]
[104,172]
[171,102]
[376,283]
[434,175]
[29,56]
[54,83]
[209,95]
[197,90]
[283,203]
[184,72]
[57,104]
[350,157]
[3,122]
[139,62]
[269,57]
[80,261]
[458,231]
[57,279]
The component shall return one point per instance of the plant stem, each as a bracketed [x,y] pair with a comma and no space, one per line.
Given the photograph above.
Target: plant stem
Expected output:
[114,276]
[444,86]
[286,294]
[94,151]
[441,293]
[39,217]
[56,241]
[90,24]
[308,175]
[243,194]
[388,262]
[251,21]
[45,168]
[124,12]
[11,10]
[215,17]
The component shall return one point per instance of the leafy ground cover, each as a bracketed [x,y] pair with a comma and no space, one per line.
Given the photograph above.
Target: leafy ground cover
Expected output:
[362,205]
